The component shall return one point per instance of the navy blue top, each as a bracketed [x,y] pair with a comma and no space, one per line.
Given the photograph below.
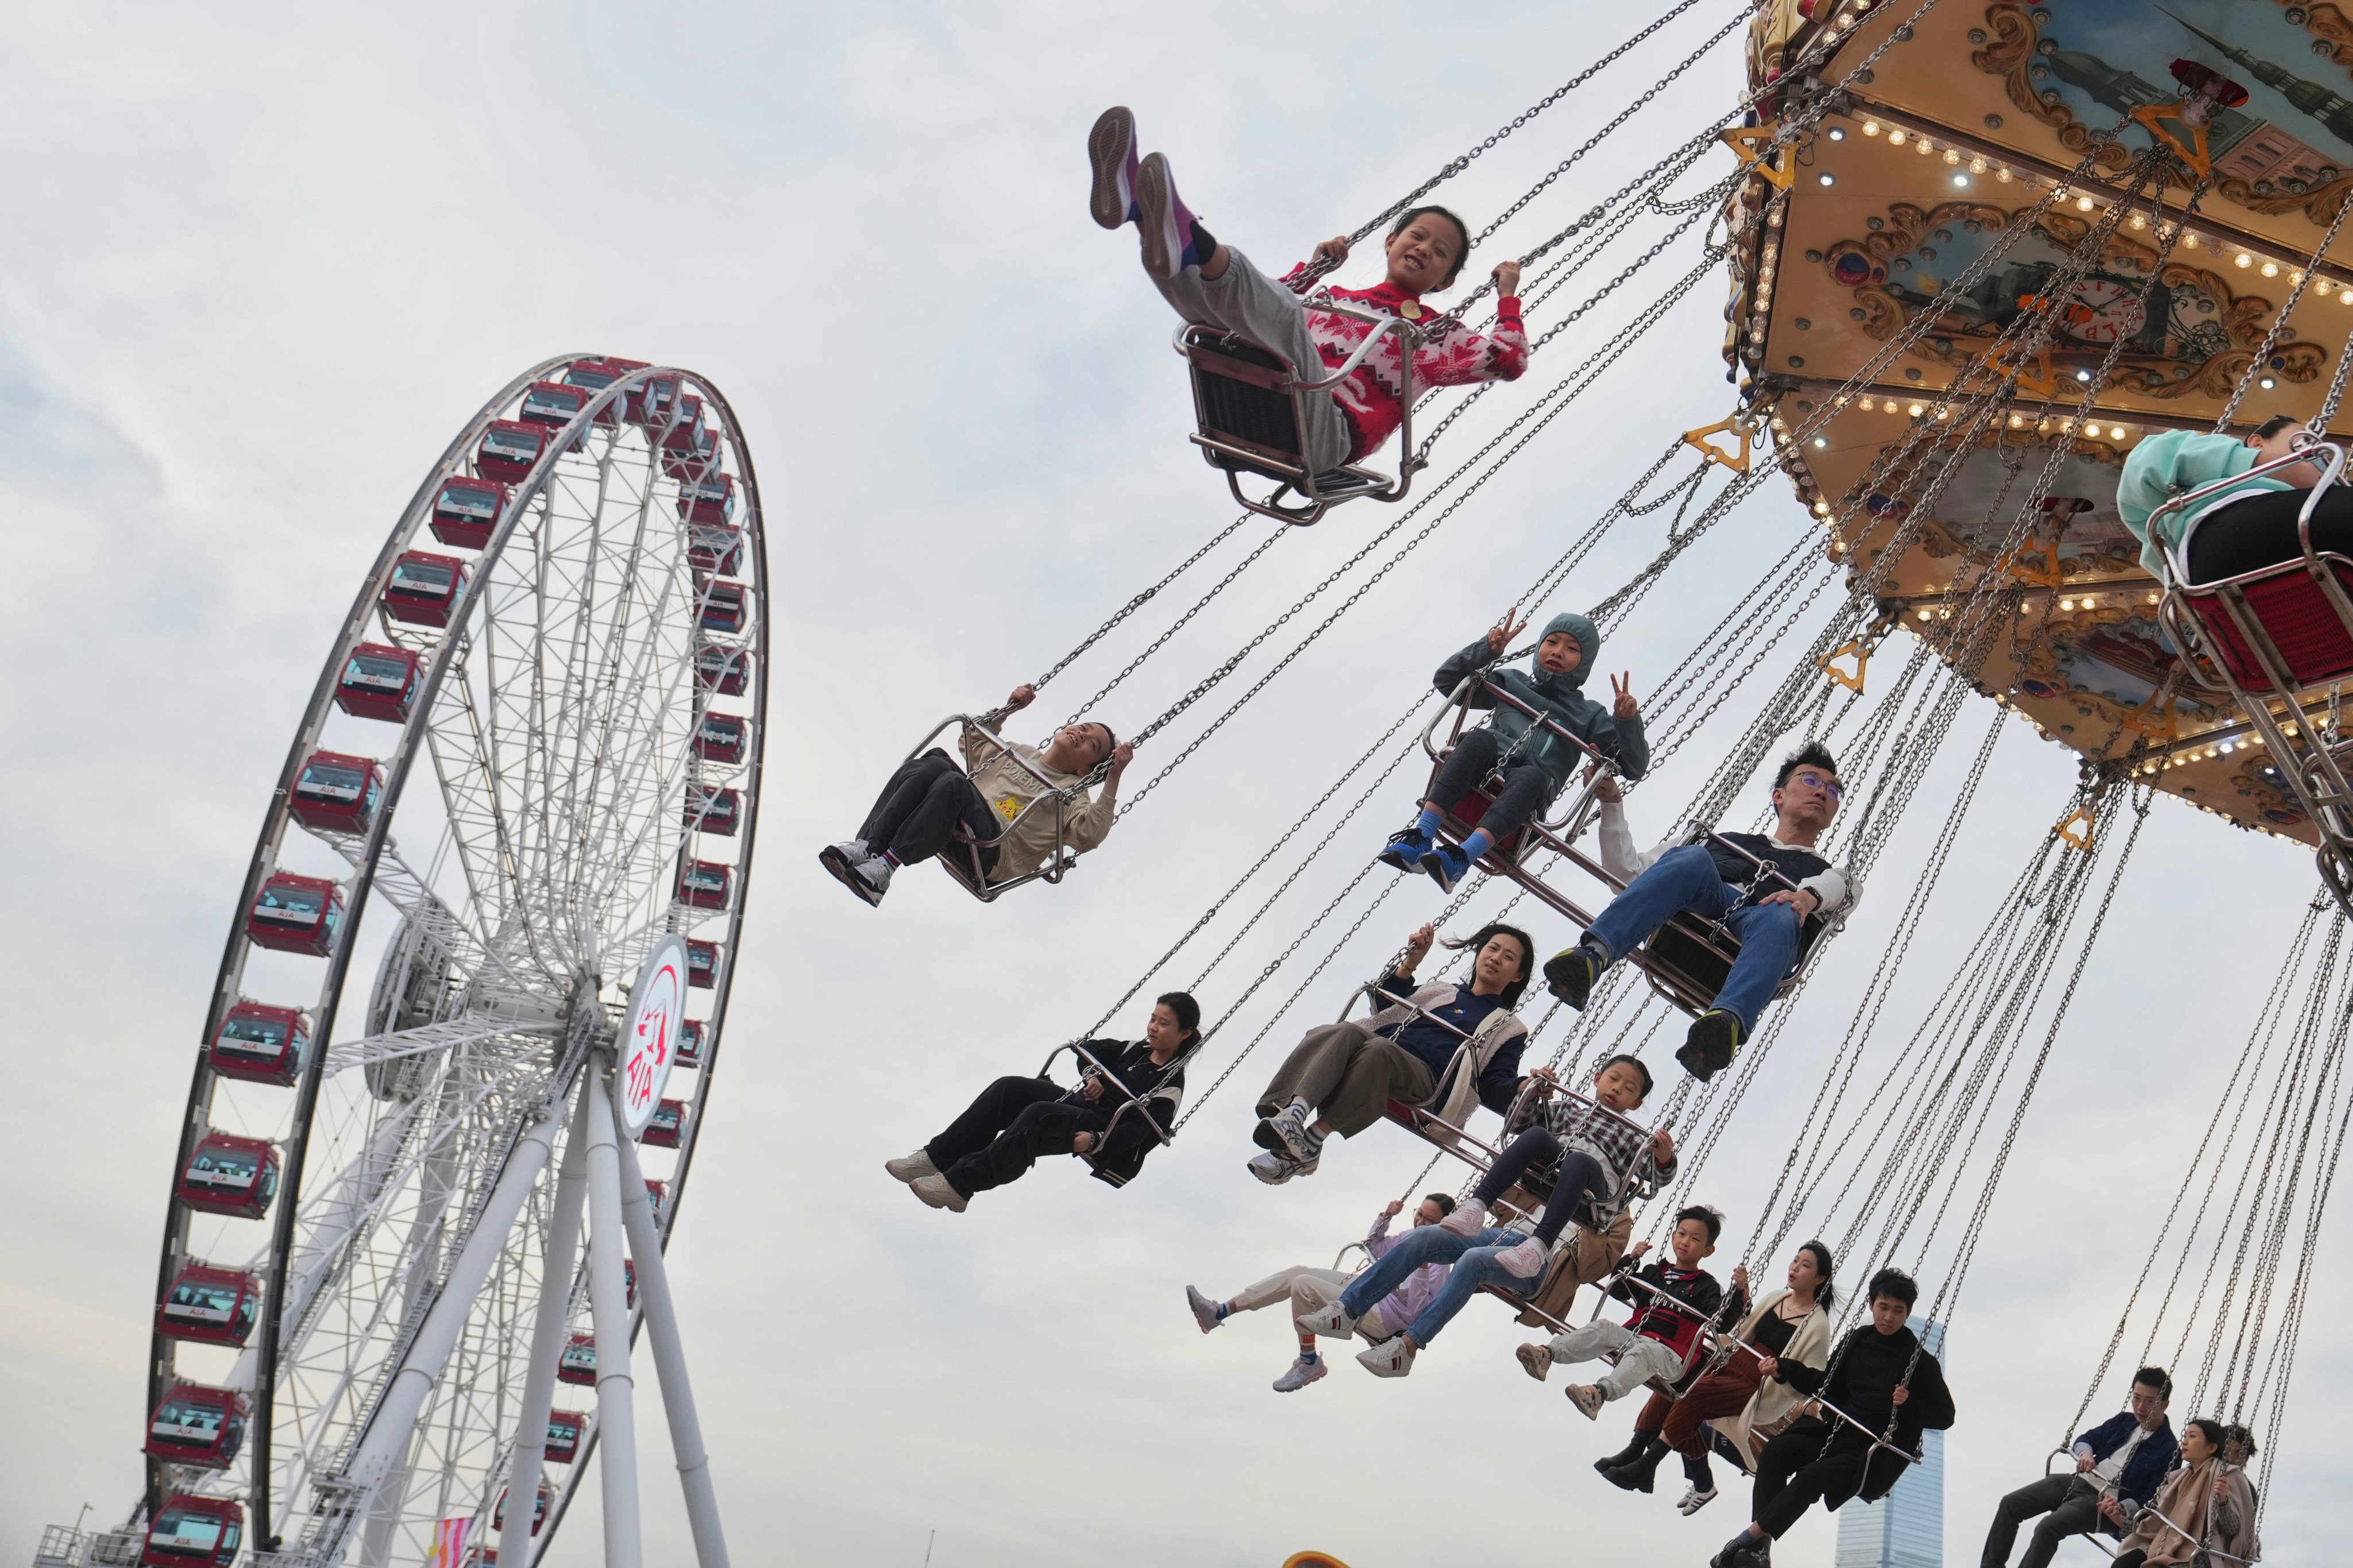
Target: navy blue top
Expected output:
[2145,1469]
[1436,1046]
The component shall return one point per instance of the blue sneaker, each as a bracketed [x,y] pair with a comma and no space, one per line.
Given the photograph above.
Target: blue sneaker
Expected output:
[1404,851]
[1446,865]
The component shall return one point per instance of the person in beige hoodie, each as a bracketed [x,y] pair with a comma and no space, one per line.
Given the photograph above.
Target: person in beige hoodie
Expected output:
[998,797]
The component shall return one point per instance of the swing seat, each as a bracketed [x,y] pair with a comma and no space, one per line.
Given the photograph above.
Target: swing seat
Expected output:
[2280,629]
[961,859]
[1249,404]
[1463,819]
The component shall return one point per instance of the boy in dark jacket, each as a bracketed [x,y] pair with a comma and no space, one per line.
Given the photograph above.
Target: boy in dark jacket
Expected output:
[1015,1119]
[1885,1380]
[1673,1303]
[1536,764]
[2119,1464]
[1773,892]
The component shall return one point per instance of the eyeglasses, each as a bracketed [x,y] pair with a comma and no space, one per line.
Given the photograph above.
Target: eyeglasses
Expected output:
[1829,786]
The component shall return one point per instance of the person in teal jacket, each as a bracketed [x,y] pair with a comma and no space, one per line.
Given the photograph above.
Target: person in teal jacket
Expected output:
[1536,764]
[2241,529]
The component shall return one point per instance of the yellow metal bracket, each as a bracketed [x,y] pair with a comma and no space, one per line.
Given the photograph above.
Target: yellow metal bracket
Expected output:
[2036,566]
[1854,649]
[1730,425]
[1754,147]
[2192,152]
[2034,372]
[2076,831]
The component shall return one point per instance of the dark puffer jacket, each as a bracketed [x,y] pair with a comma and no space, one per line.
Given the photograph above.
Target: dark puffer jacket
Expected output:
[1560,697]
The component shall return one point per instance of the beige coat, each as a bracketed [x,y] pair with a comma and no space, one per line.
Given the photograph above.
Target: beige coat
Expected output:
[1775,1403]
[2186,1499]
[1583,1258]
[1008,787]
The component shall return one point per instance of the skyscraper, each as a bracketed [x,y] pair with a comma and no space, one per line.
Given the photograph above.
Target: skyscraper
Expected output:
[1907,1528]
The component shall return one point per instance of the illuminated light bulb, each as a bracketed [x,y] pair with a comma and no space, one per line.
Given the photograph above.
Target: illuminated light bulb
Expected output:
[2138,221]
[1837,134]
[2066,603]
[1828,178]
[1952,154]
[2017,421]
[1865,405]
[2090,600]
[2346,298]
[2153,598]
[1926,614]
[2003,173]
[1977,165]
[2083,376]
[2267,384]
[2244,259]
[1961,180]
[1822,509]
[1895,139]
[2227,748]
[2118,431]
[2296,277]
[2190,240]
[1916,410]
[1944,414]
[2271,268]
[2083,204]
[1871,128]
[1822,441]
[1923,146]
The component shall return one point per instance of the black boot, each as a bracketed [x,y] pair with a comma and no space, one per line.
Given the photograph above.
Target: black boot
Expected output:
[1708,1048]
[1627,1454]
[1637,1475]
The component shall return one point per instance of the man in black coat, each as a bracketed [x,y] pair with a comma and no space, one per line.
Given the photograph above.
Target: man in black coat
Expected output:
[1015,1119]
[1891,1388]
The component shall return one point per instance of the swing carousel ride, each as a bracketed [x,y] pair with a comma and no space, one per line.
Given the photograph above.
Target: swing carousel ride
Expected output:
[1977,253]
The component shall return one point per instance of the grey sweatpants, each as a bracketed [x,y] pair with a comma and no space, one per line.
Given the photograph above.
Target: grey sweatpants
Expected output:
[1248,304]
[1309,1292]
[1639,1359]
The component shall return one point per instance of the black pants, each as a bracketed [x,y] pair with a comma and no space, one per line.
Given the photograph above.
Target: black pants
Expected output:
[2261,530]
[916,814]
[1580,1177]
[2069,1506]
[1793,1474]
[1003,1132]
[1527,789]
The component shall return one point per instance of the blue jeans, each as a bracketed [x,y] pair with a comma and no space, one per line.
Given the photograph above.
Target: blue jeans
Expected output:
[1686,879]
[1423,1243]
[1477,1266]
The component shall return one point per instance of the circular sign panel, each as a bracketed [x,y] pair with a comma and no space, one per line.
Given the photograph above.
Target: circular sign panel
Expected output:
[649,1042]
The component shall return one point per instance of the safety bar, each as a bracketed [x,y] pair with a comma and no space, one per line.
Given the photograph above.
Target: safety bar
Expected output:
[1053,867]
[1111,1080]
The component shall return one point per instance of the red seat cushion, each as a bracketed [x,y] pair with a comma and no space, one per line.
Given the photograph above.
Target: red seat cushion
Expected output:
[2298,618]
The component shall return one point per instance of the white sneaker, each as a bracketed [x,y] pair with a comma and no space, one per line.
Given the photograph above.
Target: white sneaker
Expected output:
[1468,1218]
[911,1167]
[1525,1262]
[868,876]
[1695,1500]
[1390,1358]
[1301,1372]
[1586,1398]
[1331,1323]
[1289,1125]
[1536,1360]
[935,1190]
[1205,1311]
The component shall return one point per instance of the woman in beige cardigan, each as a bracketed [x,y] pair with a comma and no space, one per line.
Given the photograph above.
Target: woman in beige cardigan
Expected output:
[2196,1514]
[1787,1338]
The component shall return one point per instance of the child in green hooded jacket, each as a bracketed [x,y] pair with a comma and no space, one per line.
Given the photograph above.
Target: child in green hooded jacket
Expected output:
[1536,764]
[2242,528]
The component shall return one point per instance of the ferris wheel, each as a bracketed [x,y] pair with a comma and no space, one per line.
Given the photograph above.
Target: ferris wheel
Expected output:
[528,775]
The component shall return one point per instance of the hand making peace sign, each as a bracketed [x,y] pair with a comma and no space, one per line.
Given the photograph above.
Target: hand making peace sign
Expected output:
[1500,637]
[1623,705]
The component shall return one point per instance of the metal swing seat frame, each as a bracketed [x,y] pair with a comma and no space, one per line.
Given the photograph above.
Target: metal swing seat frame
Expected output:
[962,858]
[1173,1098]
[1685,961]
[1253,413]
[2270,636]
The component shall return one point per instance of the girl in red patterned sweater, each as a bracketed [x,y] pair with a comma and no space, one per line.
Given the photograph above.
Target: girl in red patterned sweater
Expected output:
[1214,285]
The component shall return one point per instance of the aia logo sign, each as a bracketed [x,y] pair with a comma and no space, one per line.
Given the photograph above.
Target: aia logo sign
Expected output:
[649,1034]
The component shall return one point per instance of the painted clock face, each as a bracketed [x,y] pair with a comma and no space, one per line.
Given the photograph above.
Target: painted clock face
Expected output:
[2101,310]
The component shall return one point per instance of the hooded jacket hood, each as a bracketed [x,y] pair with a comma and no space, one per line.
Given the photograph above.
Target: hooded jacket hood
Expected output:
[1589,642]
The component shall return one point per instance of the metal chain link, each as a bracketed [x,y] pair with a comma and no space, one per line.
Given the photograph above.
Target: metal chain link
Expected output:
[2271,339]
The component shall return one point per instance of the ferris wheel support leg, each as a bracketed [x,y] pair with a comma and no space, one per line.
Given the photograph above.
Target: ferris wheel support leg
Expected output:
[670,1364]
[393,1426]
[617,1432]
[547,1339]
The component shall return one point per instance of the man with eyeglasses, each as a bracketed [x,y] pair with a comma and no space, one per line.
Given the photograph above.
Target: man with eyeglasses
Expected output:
[1774,909]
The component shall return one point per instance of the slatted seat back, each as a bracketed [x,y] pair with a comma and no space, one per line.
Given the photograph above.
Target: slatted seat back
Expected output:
[1239,401]
[2314,645]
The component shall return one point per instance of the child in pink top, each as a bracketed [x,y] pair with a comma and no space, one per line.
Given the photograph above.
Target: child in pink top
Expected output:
[1214,285]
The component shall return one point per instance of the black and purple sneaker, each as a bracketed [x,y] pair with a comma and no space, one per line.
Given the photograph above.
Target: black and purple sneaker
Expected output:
[1167,222]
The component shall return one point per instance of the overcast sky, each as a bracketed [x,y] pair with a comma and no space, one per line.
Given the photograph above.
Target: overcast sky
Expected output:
[256,271]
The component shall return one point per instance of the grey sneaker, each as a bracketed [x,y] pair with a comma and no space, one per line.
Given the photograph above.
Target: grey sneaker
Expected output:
[1289,1126]
[1111,153]
[1536,1360]
[1331,1323]
[869,877]
[935,1190]
[1301,1372]
[1390,1358]
[911,1167]
[1205,1311]
[1586,1398]
[1276,1169]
